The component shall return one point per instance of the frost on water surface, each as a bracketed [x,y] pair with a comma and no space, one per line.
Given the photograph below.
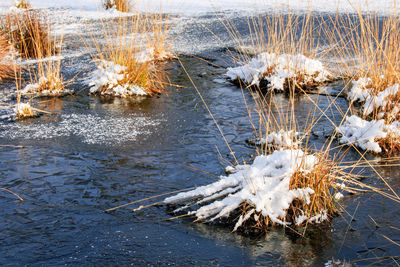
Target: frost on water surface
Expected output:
[278,69]
[264,185]
[91,129]
[108,80]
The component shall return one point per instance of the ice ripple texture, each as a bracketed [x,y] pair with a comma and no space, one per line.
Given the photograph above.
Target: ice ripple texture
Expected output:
[91,129]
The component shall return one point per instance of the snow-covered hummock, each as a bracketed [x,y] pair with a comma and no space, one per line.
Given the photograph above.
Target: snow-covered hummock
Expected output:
[278,140]
[366,134]
[263,184]
[280,68]
[37,88]
[363,91]
[24,110]
[107,78]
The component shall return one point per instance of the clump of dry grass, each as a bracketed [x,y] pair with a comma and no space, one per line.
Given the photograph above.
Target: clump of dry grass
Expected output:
[22,4]
[29,33]
[132,56]
[120,5]
[372,41]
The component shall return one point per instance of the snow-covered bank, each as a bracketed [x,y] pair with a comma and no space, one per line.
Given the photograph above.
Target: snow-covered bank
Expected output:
[278,70]
[264,186]
[206,6]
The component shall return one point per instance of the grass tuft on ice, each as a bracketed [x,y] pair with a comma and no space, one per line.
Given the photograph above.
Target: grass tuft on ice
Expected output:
[129,62]
[278,72]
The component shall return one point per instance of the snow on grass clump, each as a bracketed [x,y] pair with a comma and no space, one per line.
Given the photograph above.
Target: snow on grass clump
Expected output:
[384,103]
[369,135]
[277,140]
[52,86]
[109,78]
[262,191]
[281,70]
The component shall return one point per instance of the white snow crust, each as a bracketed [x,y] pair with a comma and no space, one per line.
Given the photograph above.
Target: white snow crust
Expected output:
[281,67]
[366,134]
[263,184]
[107,78]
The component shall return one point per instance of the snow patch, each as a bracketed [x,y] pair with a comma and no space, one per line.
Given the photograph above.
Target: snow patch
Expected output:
[278,69]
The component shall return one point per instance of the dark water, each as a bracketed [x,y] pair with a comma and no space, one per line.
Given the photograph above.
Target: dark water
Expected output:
[94,154]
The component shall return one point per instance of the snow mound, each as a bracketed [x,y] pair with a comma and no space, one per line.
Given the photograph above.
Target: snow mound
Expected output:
[108,80]
[278,69]
[263,184]
[367,134]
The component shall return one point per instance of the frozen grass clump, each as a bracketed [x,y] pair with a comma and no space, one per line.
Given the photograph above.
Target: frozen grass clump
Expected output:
[375,135]
[287,53]
[278,140]
[123,67]
[280,72]
[52,85]
[287,187]
[24,110]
